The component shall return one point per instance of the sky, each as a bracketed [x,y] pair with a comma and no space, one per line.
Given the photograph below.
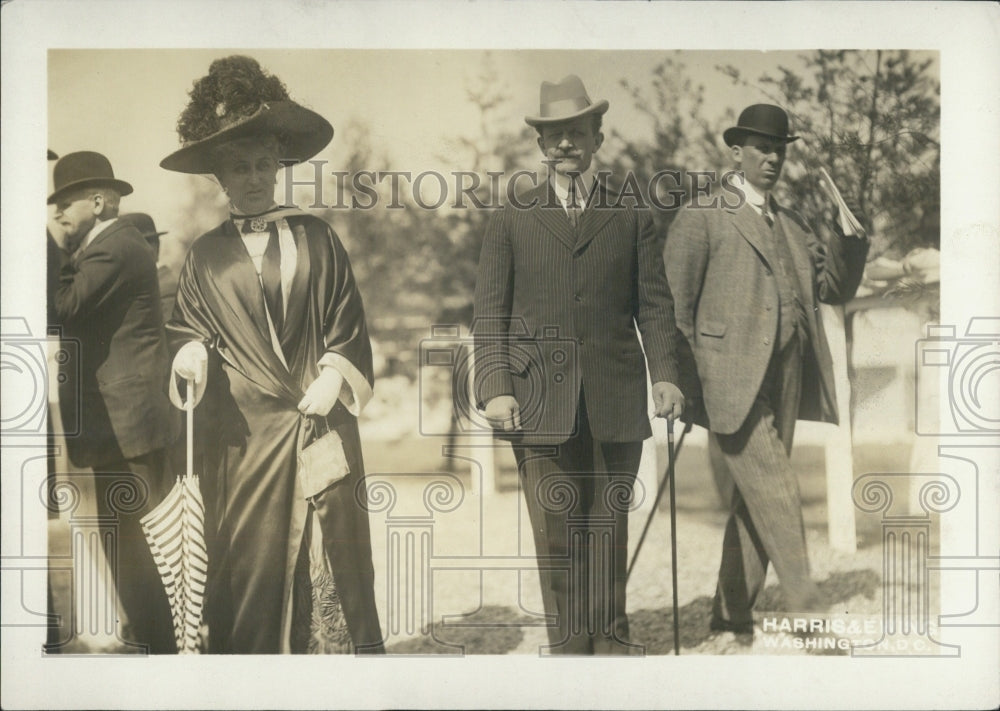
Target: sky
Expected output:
[125,102]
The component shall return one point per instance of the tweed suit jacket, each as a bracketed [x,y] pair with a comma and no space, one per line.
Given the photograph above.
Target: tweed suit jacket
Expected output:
[108,301]
[558,308]
[726,305]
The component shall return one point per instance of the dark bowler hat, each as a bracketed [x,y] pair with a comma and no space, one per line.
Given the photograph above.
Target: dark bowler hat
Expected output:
[761,120]
[84,169]
[142,222]
[564,101]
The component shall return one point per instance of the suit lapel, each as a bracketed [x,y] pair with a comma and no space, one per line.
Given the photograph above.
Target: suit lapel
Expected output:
[104,234]
[753,228]
[594,218]
[797,247]
[549,211]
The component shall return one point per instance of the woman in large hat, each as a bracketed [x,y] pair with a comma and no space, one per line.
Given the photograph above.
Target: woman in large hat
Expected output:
[268,319]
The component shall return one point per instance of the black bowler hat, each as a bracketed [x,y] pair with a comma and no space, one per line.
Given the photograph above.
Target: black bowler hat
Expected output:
[84,169]
[142,222]
[761,120]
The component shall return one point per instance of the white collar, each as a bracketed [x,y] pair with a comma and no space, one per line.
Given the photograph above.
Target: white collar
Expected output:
[561,185]
[97,229]
[757,200]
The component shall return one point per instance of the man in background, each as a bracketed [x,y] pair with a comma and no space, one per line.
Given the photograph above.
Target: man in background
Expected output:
[107,299]
[166,277]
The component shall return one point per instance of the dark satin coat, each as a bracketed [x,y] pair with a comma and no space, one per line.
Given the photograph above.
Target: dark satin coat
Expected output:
[248,432]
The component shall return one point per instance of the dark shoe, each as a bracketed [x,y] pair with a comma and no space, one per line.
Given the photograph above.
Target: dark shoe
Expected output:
[720,625]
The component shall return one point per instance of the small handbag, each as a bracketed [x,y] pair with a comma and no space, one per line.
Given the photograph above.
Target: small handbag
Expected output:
[322,462]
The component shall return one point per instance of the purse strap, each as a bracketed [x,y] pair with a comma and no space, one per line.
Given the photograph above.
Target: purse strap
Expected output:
[319,418]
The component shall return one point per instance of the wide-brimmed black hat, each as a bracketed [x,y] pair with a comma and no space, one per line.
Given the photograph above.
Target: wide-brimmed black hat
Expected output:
[237,99]
[84,169]
[142,222]
[761,120]
[564,101]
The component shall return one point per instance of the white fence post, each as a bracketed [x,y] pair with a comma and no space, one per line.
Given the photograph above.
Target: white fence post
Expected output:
[839,445]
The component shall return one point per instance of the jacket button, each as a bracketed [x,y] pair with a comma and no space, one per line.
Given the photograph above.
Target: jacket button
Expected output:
[767,341]
[577,297]
[767,308]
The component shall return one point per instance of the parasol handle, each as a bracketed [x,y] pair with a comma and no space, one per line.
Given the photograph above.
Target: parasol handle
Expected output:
[189,405]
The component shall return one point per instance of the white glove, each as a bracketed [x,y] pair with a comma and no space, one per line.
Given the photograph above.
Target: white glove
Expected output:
[191,362]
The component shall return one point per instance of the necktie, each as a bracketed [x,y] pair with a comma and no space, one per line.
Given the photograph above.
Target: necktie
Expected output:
[270,276]
[573,210]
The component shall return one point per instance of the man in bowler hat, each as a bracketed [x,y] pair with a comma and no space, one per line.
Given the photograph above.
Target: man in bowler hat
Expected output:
[747,277]
[565,278]
[107,299]
[165,276]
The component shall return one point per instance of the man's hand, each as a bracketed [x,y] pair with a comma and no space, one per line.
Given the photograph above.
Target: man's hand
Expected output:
[668,400]
[322,394]
[57,232]
[503,413]
[191,362]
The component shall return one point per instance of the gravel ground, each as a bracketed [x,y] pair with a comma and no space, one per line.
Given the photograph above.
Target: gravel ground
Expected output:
[506,603]
[466,607]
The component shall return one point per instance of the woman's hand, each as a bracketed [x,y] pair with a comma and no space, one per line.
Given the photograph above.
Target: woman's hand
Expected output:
[322,395]
[191,362]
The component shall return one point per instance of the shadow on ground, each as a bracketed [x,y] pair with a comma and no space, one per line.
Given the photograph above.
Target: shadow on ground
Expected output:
[655,628]
[500,632]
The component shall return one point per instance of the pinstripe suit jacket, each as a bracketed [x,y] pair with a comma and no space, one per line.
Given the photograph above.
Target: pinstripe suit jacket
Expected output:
[557,309]
[727,307]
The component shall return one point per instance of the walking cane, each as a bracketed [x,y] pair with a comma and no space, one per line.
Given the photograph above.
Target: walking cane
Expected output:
[672,454]
[668,478]
[189,404]
[671,457]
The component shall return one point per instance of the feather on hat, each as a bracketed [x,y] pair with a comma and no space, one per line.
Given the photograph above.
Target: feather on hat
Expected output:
[238,99]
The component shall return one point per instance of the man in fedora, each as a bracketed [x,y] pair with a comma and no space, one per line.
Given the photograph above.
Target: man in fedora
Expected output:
[107,299]
[165,276]
[747,277]
[565,277]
